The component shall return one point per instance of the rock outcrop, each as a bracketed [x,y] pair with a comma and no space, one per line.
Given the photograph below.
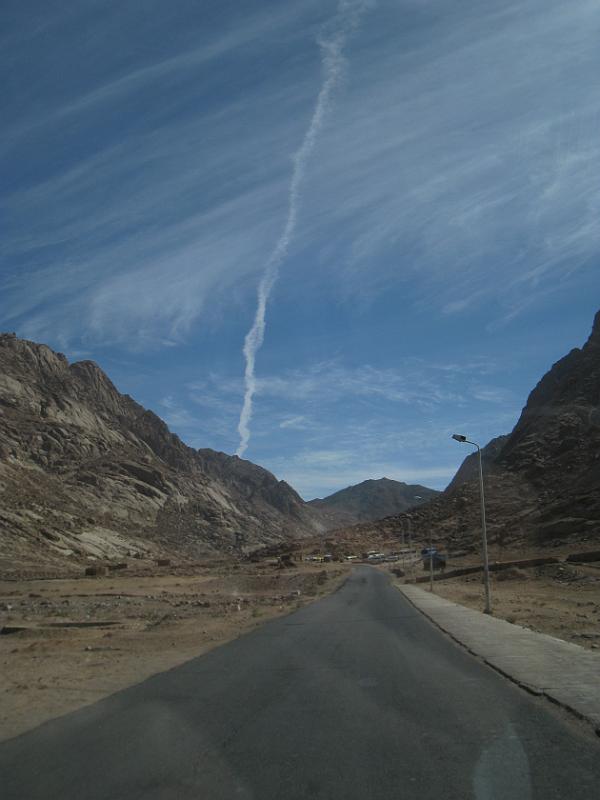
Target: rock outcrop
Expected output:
[87,472]
[469,469]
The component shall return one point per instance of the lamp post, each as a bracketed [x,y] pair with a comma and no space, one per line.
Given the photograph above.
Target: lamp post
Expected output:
[430,563]
[486,567]
[417,497]
[410,548]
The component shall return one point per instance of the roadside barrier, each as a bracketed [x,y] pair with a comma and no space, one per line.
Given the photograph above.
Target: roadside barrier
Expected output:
[495,566]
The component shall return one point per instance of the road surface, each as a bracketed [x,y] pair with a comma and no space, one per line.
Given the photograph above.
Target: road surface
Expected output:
[354,697]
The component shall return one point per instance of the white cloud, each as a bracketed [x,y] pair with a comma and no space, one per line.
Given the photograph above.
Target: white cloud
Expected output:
[297,423]
[463,161]
[145,291]
[470,172]
[461,165]
[493,394]
[329,425]
[412,382]
[126,84]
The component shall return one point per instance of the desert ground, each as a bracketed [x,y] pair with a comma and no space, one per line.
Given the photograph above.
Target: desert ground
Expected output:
[70,641]
[562,599]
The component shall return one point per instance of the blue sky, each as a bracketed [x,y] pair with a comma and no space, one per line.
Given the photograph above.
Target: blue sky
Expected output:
[445,248]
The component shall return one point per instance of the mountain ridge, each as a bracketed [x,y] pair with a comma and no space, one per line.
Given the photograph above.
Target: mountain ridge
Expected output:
[87,472]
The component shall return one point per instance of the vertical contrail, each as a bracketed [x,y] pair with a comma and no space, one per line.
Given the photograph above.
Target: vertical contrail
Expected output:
[332,44]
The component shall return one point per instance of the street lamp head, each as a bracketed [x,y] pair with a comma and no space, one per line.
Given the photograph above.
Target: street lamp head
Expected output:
[459,437]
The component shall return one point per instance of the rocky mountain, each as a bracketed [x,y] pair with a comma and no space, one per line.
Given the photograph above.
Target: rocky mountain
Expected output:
[370,500]
[469,469]
[87,472]
[542,482]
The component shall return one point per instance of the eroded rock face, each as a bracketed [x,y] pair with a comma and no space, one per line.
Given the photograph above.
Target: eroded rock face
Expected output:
[542,482]
[85,470]
[559,429]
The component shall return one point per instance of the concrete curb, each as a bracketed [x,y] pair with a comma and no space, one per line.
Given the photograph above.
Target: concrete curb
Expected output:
[565,673]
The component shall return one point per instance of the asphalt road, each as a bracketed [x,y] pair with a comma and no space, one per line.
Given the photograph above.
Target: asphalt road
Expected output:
[356,696]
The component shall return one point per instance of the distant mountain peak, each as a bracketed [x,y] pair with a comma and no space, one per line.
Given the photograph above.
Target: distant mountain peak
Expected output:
[372,499]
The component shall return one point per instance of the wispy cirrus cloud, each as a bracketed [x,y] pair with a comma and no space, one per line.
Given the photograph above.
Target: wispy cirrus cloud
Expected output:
[167,199]
[412,382]
[469,174]
[112,78]
[328,425]
[450,199]
[297,423]
[413,449]
[464,184]
[197,430]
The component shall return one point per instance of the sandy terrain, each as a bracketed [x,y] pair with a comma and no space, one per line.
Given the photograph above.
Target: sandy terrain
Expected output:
[135,626]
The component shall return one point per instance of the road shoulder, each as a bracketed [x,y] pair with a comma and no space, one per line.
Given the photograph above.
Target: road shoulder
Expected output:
[565,673]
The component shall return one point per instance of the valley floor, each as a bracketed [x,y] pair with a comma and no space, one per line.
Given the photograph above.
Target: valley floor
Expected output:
[83,639]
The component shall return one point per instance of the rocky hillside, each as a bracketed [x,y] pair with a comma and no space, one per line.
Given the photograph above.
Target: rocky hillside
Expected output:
[370,500]
[541,482]
[85,471]
[469,469]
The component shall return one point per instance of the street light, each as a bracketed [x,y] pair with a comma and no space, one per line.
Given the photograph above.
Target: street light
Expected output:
[430,561]
[486,567]
[407,520]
